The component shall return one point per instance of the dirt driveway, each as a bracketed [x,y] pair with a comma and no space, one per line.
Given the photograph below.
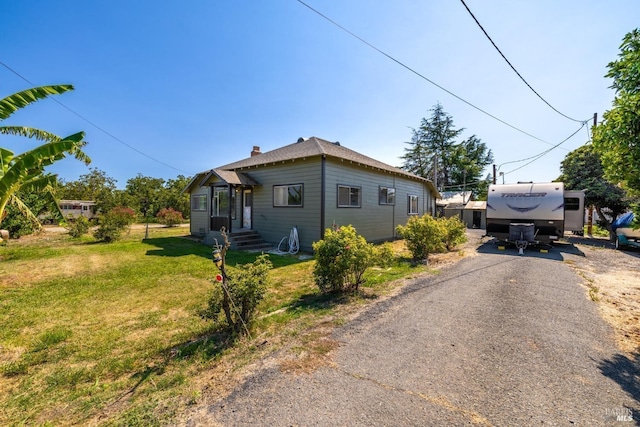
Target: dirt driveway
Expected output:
[612,280]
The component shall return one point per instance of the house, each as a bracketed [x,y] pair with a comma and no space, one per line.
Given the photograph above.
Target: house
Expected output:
[312,185]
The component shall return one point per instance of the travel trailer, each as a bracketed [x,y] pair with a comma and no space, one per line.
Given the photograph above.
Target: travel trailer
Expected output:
[75,208]
[533,213]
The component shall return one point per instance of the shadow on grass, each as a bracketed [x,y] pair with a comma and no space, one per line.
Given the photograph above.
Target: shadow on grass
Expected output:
[206,347]
[177,247]
[324,301]
[180,247]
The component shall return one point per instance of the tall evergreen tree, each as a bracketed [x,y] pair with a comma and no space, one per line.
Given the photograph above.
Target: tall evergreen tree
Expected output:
[435,153]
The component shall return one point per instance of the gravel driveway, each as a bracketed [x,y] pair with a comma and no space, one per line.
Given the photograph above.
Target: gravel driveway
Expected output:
[498,339]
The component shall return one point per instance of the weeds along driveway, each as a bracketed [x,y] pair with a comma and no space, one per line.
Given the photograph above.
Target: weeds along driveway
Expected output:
[497,339]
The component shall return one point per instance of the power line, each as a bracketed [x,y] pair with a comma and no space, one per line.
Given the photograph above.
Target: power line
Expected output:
[513,68]
[96,126]
[418,74]
[538,156]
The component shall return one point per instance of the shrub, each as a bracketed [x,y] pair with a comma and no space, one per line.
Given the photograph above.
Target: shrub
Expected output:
[383,255]
[169,217]
[114,223]
[423,235]
[246,287]
[77,226]
[455,232]
[342,257]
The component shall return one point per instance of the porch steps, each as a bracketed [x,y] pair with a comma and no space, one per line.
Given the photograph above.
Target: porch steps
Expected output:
[247,240]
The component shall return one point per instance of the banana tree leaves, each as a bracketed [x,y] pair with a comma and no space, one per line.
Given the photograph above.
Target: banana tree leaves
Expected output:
[13,103]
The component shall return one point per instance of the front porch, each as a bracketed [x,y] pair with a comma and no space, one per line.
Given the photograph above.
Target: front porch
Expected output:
[243,239]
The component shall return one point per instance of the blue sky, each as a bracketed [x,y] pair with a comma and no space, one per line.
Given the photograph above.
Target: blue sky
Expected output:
[187,86]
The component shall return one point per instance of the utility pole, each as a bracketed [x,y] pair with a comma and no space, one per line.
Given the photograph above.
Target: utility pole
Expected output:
[494,173]
[435,171]
[464,186]
[590,209]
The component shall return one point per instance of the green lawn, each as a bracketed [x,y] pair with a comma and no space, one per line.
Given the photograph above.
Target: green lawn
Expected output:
[109,333]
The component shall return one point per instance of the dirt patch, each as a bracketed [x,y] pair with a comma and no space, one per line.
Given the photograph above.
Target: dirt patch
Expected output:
[612,280]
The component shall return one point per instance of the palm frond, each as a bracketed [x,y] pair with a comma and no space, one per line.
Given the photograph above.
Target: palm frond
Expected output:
[6,156]
[28,132]
[24,210]
[13,103]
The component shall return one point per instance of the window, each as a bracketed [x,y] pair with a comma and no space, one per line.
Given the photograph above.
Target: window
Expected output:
[199,202]
[348,197]
[221,204]
[571,204]
[413,205]
[287,195]
[387,196]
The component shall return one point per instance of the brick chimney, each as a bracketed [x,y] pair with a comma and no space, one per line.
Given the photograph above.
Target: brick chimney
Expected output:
[255,151]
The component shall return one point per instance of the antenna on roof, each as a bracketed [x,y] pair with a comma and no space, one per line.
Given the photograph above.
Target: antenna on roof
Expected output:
[301,139]
[337,143]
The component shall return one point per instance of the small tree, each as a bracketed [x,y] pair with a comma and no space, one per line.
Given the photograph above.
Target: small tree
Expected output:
[77,226]
[423,235]
[169,217]
[236,298]
[455,232]
[114,223]
[342,258]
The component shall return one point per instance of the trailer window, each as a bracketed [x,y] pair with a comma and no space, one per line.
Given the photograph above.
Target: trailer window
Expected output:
[571,203]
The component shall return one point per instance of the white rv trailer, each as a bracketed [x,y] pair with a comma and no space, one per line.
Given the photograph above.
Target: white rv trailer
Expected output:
[536,212]
[75,208]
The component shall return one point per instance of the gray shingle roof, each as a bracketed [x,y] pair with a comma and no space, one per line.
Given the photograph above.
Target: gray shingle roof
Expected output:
[314,147]
[231,177]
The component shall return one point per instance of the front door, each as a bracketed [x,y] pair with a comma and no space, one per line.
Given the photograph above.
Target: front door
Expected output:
[477,219]
[247,204]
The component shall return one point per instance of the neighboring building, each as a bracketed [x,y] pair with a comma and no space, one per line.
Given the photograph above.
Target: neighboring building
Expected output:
[474,214]
[312,185]
[452,203]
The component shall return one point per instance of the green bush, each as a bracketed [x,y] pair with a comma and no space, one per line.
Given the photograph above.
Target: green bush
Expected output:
[16,223]
[114,223]
[455,232]
[77,226]
[342,257]
[383,255]
[425,235]
[169,217]
[246,285]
